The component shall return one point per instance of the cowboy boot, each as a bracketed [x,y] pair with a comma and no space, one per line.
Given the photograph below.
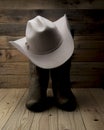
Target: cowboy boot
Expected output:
[64,97]
[37,95]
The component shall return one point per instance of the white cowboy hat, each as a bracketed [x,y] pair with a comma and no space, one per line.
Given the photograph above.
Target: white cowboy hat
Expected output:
[47,44]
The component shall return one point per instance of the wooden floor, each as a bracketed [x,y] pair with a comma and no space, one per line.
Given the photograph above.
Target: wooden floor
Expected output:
[88,116]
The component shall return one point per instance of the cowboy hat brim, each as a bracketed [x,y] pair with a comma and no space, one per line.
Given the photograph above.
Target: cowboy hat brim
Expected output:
[55,58]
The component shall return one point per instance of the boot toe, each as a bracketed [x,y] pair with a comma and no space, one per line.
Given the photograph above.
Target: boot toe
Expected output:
[39,106]
[35,106]
[69,104]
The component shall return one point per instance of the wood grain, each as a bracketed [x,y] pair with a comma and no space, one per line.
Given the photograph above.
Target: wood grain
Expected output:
[54,4]
[81,42]
[21,117]
[83,74]
[89,110]
[79,29]
[53,118]
[14,81]
[79,55]
[14,68]
[88,115]
[84,22]
[12,56]
[21,16]
[90,55]
[8,104]
[98,95]
[71,120]
[88,49]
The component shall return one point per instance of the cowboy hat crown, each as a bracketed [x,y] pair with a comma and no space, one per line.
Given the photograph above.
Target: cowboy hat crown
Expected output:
[42,36]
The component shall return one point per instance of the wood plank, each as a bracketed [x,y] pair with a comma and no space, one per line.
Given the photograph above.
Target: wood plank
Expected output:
[70,120]
[14,68]
[77,81]
[3,93]
[53,119]
[80,54]
[87,68]
[77,68]
[86,77]
[83,74]
[98,95]
[14,81]
[39,4]
[49,118]
[74,15]
[86,84]
[82,21]
[36,122]
[89,45]
[81,42]
[15,56]
[85,50]
[41,121]
[89,38]
[87,81]
[89,110]
[4,42]
[89,55]
[14,29]
[88,115]
[12,56]
[8,104]
[2,56]
[21,118]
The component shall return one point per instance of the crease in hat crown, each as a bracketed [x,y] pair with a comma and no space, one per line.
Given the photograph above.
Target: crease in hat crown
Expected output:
[42,36]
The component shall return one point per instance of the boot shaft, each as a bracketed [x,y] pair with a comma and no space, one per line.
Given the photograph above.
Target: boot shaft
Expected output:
[62,73]
[39,79]
[61,79]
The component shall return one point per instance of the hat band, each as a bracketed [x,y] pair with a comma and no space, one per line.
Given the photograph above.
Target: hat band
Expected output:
[42,52]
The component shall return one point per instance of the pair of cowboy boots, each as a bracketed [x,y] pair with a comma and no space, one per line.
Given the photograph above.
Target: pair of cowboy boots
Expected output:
[63,97]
